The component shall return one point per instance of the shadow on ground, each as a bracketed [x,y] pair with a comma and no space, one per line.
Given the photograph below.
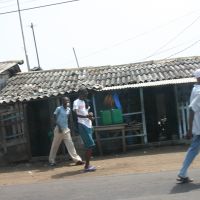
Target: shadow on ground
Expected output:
[67,174]
[42,166]
[183,188]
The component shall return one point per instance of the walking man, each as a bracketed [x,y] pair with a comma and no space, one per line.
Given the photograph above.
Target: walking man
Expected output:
[194,130]
[62,133]
[85,126]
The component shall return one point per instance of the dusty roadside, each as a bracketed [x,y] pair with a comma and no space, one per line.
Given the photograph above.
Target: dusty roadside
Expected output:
[139,161]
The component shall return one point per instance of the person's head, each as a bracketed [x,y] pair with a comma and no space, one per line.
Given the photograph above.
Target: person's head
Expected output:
[197,75]
[82,93]
[65,102]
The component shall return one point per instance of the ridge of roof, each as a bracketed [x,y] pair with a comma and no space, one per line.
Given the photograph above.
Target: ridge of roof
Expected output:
[19,62]
[141,64]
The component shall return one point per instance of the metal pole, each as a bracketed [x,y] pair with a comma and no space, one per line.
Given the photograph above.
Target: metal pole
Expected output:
[20,19]
[35,45]
[75,57]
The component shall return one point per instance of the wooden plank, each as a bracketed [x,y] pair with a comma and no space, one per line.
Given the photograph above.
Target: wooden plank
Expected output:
[10,123]
[14,136]
[110,128]
[4,138]
[123,141]
[23,107]
[13,125]
[133,113]
[22,118]
[16,142]
[98,143]
[18,118]
[120,137]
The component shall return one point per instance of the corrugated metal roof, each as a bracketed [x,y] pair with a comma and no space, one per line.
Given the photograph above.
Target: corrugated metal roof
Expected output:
[8,64]
[150,84]
[40,84]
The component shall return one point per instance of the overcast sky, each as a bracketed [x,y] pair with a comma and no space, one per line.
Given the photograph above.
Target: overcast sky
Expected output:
[103,32]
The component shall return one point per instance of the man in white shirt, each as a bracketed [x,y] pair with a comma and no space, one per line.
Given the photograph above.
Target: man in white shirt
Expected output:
[194,130]
[85,126]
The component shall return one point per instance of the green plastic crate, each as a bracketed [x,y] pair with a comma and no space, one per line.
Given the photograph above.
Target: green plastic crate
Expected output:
[116,116]
[106,118]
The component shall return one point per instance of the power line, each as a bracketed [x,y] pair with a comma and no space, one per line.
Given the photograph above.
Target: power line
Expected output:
[6,1]
[36,7]
[140,34]
[9,4]
[188,47]
[172,39]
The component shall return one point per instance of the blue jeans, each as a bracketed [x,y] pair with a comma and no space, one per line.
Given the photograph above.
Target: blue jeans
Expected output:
[191,154]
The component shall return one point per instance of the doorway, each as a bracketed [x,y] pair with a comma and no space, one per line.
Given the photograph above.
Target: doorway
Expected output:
[161,113]
[39,126]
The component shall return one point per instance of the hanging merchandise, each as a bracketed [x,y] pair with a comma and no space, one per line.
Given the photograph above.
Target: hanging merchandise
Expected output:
[108,101]
[117,101]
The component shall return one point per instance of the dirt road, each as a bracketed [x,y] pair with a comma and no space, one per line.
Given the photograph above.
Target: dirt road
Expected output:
[139,161]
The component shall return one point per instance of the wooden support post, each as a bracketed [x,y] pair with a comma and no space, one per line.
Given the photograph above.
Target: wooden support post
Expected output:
[4,138]
[98,143]
[123,140]
[143,115]
[178,113]
[95,110]
[183,118]
[13,120]
[24,124]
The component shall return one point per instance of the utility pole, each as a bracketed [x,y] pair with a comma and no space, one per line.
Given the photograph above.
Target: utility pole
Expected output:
[20,19]
[35,45]
[75,57]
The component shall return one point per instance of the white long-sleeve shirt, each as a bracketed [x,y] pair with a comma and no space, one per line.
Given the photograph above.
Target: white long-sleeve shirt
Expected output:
[195,106]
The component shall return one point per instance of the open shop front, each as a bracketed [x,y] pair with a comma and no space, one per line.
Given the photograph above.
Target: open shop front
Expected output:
[134,117]
[120,121]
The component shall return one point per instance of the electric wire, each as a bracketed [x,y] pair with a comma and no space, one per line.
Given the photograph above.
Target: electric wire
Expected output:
[144,33]
[36,7]
[172,39]
[188,47]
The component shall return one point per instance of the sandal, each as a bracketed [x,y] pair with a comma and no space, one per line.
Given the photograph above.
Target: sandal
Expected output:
[90,169]
[184,179]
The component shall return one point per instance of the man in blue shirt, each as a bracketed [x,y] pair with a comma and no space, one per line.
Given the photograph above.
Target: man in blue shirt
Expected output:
[62,133]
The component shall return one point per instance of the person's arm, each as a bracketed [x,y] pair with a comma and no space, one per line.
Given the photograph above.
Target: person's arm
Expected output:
[75,109]
[191,118]
[193,108]
[82,116]
[55,120]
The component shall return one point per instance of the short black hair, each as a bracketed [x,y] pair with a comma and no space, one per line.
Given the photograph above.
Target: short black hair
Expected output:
[63,98]
[82,90]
